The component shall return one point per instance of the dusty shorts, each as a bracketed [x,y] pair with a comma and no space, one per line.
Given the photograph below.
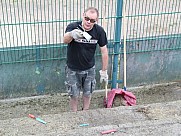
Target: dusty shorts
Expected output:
[77,81]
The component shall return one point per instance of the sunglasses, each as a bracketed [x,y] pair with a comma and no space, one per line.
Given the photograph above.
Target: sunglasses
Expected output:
[91,20]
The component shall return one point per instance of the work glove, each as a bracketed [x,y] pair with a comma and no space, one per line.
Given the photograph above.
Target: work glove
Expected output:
[76,34]
[103,76]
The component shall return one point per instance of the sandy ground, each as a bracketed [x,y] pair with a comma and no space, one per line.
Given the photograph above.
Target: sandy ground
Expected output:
[158,105]
[57,103]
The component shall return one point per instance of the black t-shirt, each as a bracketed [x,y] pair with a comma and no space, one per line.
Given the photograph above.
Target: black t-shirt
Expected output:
[80,52]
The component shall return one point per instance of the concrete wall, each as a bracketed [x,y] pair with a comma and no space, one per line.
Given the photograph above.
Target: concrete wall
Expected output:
[34,78]
[153,67]
[156,61]
[26,79]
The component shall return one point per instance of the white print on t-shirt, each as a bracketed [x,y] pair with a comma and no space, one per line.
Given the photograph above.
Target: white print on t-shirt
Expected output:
[85,41]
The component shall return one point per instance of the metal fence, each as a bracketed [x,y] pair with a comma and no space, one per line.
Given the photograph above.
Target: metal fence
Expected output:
[30,25]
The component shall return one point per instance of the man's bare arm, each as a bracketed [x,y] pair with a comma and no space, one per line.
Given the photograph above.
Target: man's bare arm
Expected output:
[67,38]
[104,52]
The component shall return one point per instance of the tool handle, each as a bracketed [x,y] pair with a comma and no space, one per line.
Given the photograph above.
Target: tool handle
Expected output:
[124,43]
[40,120]
[82,125]
[106,91]
[108,131]
[32,116]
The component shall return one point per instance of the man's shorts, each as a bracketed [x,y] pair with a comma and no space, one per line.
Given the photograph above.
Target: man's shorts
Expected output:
[80,80]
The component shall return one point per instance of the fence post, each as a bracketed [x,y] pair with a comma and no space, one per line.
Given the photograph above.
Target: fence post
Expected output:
[117,41]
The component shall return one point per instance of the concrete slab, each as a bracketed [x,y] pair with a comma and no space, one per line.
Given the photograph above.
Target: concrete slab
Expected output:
[162,119]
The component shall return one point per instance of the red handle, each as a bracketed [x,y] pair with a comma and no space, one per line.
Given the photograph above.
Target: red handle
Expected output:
[108,131]
[31,116]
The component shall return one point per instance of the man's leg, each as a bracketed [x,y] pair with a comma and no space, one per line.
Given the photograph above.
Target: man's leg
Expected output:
[73,88]
[86,102]
[88,87]
[73,103]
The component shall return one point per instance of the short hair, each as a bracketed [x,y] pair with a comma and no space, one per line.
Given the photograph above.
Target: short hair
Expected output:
[92,9]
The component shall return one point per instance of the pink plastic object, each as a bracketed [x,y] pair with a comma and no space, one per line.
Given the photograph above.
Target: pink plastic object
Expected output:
[32,116]
[108,131]
[129,98]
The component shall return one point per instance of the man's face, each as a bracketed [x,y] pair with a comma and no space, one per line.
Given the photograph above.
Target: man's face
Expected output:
[89,19]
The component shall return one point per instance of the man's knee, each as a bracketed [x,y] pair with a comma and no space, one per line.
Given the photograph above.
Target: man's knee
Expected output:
[72,90]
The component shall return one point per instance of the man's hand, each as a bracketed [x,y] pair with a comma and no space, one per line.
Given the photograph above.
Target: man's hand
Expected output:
[103,76]
[76,34]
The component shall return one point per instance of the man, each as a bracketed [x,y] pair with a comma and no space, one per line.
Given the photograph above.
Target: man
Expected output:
[82,38]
